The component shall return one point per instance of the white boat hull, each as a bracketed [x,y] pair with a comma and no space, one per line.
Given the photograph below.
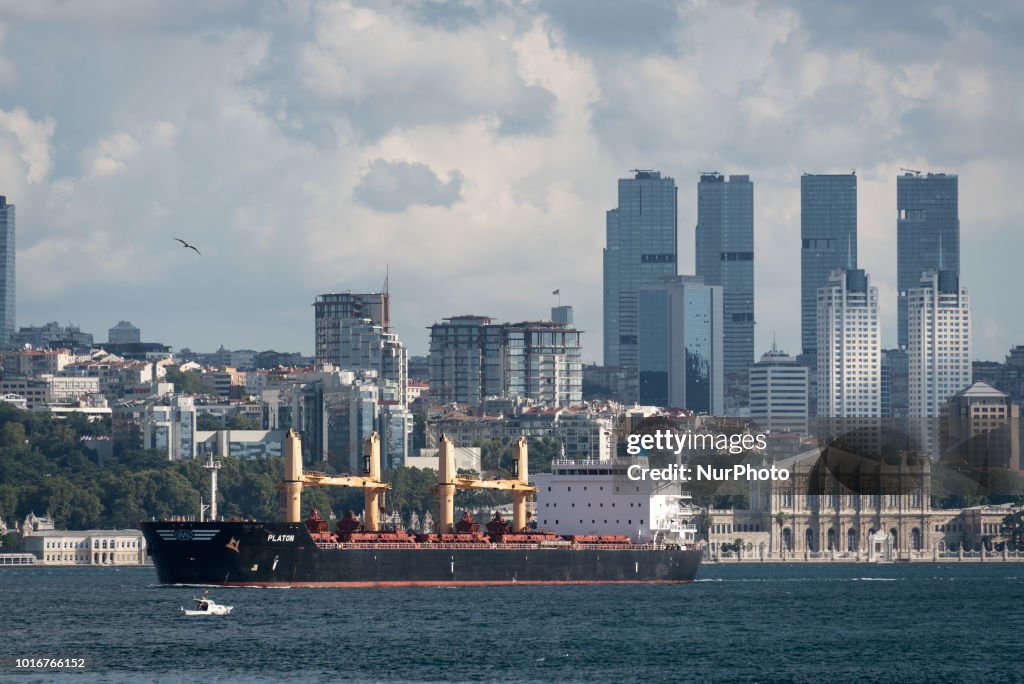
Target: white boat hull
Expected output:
[212,609]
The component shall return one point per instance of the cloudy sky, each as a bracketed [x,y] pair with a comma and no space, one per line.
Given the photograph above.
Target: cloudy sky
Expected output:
[472,148]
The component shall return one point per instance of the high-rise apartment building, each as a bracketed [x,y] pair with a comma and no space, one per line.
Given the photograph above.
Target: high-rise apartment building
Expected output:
[365,345]
[848,347]
[681,354]
[828,232]
[725,257]
[472,358]
[353,332]
[778,393]
[641,248]
[938,349]
[7,282]
[329,310]
[927,233]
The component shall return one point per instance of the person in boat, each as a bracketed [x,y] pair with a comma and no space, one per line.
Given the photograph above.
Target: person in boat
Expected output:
[203,601]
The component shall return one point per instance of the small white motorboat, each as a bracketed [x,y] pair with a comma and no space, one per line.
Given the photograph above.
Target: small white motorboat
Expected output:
[207,606]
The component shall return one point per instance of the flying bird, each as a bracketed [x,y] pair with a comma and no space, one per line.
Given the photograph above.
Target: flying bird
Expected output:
[188,246]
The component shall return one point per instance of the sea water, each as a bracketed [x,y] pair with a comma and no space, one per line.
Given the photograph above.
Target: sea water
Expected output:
[763,623]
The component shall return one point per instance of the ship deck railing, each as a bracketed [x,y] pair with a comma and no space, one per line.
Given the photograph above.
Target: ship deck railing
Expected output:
[490,547]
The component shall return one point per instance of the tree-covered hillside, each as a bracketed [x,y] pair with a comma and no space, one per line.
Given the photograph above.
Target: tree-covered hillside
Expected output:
[45,468]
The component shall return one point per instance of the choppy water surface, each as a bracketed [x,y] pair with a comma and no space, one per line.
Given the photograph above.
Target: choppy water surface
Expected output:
[737,623]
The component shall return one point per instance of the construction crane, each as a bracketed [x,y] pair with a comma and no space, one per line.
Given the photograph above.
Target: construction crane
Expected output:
[295,479]
[448,481]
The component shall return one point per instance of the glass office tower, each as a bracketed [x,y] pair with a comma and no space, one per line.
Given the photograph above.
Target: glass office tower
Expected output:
[641,248]
[927,233]
[680,347]
[7,290]
[828,232]
[725,257]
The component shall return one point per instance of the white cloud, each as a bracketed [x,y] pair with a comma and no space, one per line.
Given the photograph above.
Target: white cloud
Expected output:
[274,138]
[32,139]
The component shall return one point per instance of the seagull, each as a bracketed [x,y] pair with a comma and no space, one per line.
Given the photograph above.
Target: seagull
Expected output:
[188,246]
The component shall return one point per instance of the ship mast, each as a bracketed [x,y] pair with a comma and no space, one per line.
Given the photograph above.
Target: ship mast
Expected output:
[213,466]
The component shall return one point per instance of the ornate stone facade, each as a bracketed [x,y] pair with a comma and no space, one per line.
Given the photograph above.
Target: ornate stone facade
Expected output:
[786,520]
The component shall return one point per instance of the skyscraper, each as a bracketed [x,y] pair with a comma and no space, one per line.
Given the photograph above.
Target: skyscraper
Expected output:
[725,257]
[938,348]
[7,291]
[927,233]
[848,347]
[680,346]
[828,232]
[641,248]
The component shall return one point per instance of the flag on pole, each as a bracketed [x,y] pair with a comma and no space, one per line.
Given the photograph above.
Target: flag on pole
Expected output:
[558,291]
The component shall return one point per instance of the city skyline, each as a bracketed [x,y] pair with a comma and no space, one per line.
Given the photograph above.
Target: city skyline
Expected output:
[319,169]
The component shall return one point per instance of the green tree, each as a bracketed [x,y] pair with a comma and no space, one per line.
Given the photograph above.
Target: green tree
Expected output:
[1013,529]
[241,421]
[208,421]
[188,382]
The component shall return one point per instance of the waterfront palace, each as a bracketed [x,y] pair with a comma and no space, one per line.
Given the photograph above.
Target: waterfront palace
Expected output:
[785,521]
[81,547]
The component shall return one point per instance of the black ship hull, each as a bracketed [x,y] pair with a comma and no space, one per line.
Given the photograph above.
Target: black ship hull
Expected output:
[267,554]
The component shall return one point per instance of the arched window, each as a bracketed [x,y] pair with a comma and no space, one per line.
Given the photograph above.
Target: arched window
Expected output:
[894,536]
[851,539]
[915,539]
[787,539]
[831,539]
[810,539]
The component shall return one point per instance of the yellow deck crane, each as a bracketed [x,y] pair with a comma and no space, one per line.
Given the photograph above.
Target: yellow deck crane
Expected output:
[448,481]
[295,479]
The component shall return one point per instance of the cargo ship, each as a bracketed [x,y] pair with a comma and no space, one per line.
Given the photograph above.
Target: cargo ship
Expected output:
[307,553]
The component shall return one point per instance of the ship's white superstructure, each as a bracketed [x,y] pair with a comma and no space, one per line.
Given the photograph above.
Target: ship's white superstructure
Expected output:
[597,497]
